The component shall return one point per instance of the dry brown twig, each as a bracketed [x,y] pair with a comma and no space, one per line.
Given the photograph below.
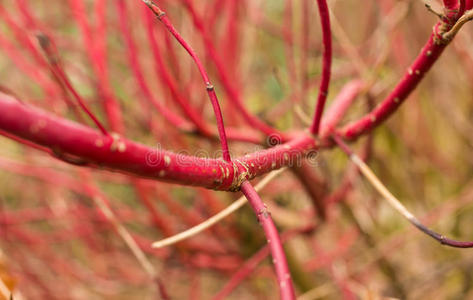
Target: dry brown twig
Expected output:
[467,16]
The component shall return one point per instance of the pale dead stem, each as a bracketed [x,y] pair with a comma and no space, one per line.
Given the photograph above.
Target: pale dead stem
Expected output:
[379,186]
[319,292]
[385,246]
[393,201]
[303,117]
[216,218]
[127,238]
[7,294]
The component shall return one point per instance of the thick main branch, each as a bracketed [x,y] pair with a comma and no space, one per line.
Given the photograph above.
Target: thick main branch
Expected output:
[81,143]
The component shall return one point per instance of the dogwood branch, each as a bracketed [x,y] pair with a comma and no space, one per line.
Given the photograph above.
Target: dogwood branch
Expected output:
[413,76]
[286,288]
[119,154]
[161,15]
[326,64]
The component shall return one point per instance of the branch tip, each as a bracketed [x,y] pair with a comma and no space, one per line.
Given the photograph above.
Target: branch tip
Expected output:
[154,8]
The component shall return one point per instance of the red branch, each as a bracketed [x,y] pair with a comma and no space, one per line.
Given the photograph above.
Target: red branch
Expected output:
[208,85]
[120,154]
[286,288]
[415,73]
[326,65]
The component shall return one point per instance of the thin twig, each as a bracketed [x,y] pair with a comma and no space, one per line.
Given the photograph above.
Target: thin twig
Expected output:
[286,286]
[326,65]
[216,218]
[393,201]
[161,15]
[53,59]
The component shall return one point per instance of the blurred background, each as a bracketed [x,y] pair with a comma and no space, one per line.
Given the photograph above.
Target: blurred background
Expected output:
[57,241]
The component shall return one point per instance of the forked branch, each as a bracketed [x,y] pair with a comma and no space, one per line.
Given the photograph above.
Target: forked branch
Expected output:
[326,65]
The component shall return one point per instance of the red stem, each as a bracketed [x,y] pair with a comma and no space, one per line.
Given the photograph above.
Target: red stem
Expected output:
[422,64]
[208,85]
[53,57]
[326,65]
[286,287]
[461,8]
[170,82]
[119,154]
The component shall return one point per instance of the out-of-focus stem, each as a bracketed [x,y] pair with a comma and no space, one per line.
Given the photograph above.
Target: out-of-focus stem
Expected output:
[97,53]
[232,92]
[339,107]
[250,265]
[53,58]
[174,119]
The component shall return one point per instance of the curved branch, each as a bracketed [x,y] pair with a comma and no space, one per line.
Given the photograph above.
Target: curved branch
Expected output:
[326,65]
[161,15]
[415,73]
[286,288]
[119,154]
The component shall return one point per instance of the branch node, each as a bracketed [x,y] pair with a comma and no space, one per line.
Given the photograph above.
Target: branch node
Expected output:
[209,87]
[449,34]
[239,176]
